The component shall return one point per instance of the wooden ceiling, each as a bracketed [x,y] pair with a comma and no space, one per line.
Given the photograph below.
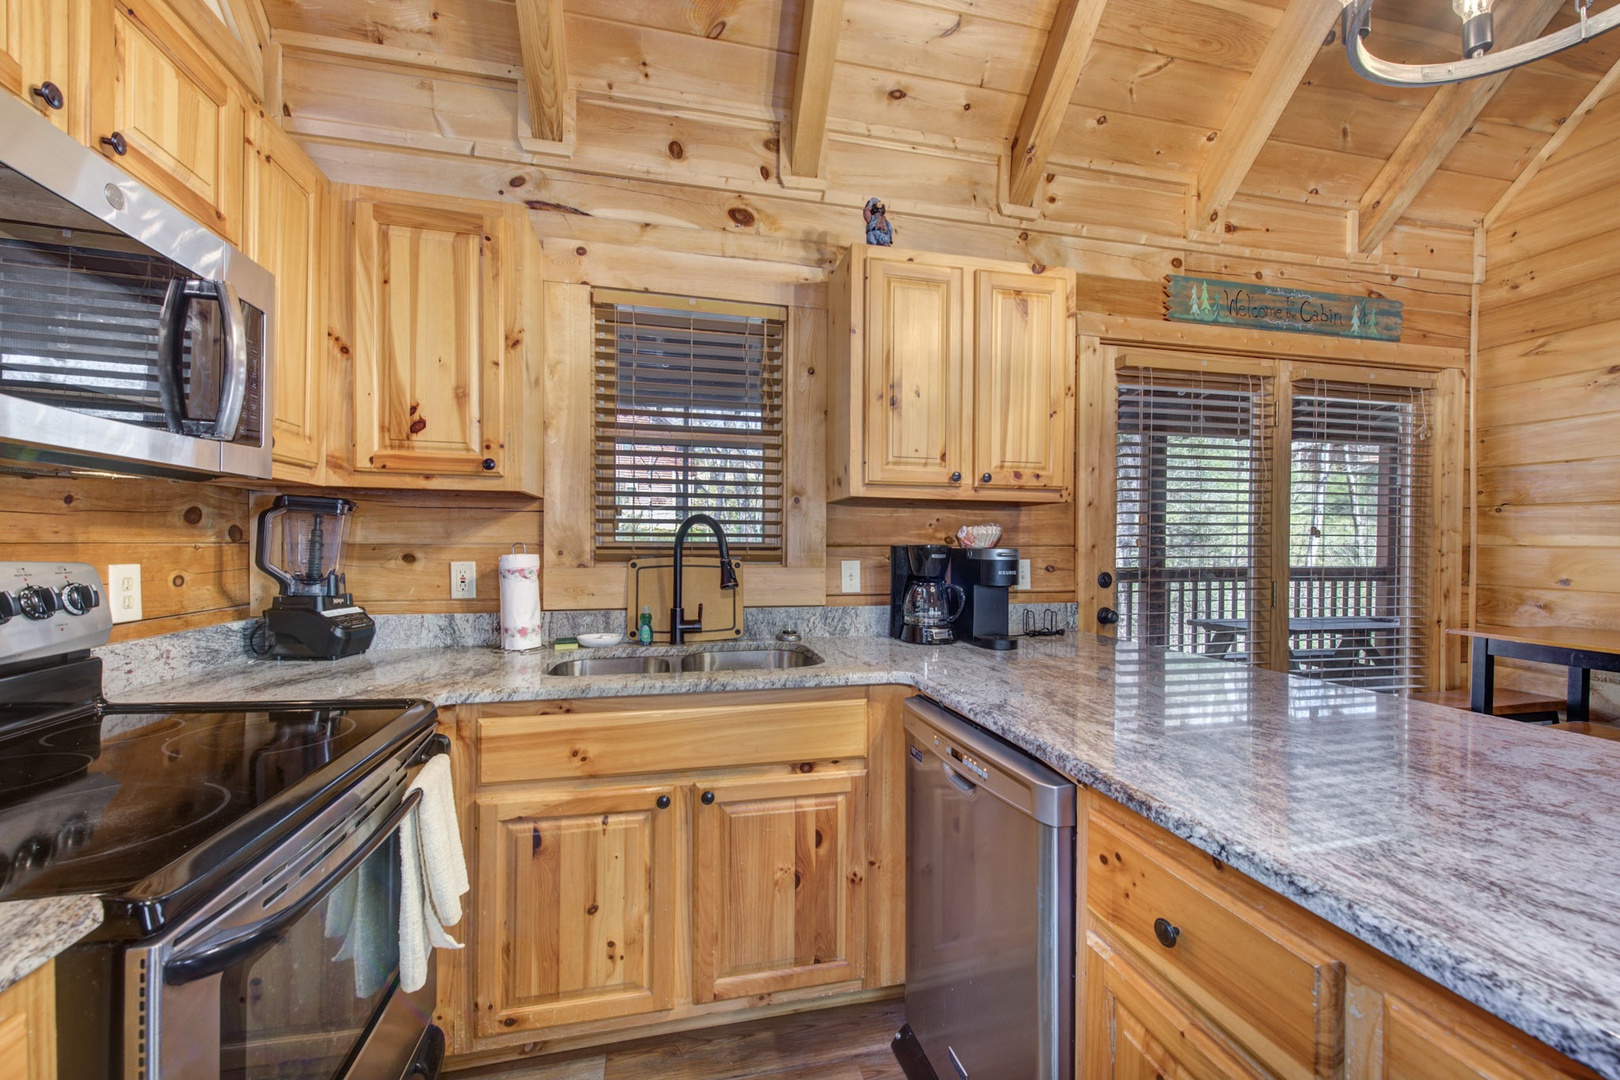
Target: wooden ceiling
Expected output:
[1210,121]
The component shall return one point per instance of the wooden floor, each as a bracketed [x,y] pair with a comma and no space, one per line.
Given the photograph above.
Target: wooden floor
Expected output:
[850,1043]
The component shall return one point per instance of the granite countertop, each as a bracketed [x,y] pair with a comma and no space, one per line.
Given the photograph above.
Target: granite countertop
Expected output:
[1470,848]
[34,931]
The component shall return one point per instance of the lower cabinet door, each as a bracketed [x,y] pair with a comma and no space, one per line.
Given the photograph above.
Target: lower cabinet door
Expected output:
[1418,1046]
[1135,1028]
[778,880]
[577,906]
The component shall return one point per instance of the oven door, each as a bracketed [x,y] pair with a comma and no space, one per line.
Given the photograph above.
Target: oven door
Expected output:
[298,979]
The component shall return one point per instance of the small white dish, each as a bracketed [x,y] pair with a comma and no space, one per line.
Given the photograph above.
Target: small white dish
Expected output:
[599,641]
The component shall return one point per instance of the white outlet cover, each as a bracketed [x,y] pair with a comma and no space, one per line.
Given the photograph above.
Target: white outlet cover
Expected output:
[1023,573]
[124,591]
[464,581]
[851,575]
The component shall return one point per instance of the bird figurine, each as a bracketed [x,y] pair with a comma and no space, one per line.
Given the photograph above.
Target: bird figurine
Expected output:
[878,229]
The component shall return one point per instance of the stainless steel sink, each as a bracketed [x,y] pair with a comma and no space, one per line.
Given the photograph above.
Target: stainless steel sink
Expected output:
[611,665]
[748,660]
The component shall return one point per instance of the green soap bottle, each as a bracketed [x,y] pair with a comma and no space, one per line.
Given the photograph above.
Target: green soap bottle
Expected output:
[644,631]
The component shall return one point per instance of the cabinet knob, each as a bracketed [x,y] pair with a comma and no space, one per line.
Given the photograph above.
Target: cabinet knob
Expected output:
[663,802]
[1167,932]
[1107,616]
[489,464]
[985,479]
[708,798]
[116,140]
[956,477]
[50,94]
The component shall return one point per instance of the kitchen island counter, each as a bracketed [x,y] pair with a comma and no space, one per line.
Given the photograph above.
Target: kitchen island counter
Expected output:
[1467,847]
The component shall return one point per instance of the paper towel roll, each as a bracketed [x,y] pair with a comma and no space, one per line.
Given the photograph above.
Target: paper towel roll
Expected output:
[520,602]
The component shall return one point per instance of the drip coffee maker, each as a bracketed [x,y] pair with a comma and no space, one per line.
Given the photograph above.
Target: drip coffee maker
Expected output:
[921,604]
[301,547]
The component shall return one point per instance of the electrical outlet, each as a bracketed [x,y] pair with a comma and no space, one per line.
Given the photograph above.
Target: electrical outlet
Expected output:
[124,591]
[1023,574]
[463,581]
[852,575]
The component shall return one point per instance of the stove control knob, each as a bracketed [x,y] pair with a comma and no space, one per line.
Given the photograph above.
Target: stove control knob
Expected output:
[37,602]
[78,598]
[32,854]
[8,607]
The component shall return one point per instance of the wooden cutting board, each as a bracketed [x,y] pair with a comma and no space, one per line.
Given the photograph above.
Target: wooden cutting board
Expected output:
[652,582]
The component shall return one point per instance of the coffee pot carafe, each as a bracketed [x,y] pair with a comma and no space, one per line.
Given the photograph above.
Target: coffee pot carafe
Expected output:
[932,605]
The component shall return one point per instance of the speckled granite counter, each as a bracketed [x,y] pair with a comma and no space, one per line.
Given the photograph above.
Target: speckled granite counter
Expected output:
[1473,849]
[34,931]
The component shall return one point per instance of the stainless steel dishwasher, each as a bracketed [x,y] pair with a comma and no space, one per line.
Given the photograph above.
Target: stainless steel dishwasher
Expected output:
[989,907]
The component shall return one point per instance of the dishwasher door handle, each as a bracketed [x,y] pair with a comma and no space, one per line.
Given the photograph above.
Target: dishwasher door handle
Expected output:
[958,781]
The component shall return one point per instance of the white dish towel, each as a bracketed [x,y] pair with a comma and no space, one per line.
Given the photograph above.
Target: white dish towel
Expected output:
[433,873]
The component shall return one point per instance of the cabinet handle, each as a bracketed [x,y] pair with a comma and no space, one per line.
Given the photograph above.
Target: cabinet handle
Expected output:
[489,464]
[956,478]
[708,798]
[1107,616]
[663,802]
[1167,932]
[985,479]
[50,94]
[116,140]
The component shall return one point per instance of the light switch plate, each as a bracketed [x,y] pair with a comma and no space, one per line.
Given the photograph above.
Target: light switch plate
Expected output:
[851,575]
[464,581]
[124,591]
[1023,574]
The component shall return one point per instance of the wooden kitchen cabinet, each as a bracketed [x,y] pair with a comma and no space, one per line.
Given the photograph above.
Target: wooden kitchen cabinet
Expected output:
[177,116]
[953,378]
[28,1027]
[287,205]
[443,374]
[579,887]
[42,47]
[777,883]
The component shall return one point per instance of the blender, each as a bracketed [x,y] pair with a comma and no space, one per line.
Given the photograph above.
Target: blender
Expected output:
[300,546]
[921,604]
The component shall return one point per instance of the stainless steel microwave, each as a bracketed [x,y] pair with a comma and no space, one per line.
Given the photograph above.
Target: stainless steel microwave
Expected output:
[131,338]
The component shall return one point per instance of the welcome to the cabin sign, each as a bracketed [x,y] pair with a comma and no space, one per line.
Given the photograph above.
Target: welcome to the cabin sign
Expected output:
[1272,307]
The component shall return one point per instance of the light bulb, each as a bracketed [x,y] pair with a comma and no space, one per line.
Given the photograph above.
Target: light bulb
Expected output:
[1477,29]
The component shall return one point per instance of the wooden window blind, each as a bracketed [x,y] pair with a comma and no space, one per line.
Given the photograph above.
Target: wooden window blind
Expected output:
[1360,524]
[688,419]
[1193,481]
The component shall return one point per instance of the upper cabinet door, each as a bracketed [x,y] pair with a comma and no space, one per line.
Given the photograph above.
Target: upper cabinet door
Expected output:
[11,72]
[914,340]
[43,58]
[1023,402]
[286,195]
[176,116]
[431,301]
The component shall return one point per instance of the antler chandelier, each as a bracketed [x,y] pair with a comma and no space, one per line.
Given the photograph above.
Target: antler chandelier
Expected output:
[1478,61]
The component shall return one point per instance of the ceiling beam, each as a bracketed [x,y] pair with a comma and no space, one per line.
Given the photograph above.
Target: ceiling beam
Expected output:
[545,67]
[1443,122]
[1299,37]
[819,24]
[1604,86]
[1073,28]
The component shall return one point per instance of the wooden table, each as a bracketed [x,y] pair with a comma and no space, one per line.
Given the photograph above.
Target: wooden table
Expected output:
[1581,649]
[1353,634]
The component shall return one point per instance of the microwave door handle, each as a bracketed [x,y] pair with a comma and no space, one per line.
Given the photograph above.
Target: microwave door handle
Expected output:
[171,344]
[224,952]
[234,385]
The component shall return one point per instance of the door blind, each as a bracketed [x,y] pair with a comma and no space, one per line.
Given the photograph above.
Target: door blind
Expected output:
[688,419]
[1360,519]
[1193,478]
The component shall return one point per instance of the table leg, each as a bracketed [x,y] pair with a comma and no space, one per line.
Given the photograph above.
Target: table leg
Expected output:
[1482,678]
[1580,694]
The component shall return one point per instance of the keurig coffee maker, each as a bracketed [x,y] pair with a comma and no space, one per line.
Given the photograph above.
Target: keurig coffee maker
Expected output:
[985,575]
[921,604]
[314,618]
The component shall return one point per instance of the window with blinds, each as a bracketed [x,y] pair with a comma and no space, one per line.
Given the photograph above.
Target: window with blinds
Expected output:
[1193,477]
[1359,523]
[688,401]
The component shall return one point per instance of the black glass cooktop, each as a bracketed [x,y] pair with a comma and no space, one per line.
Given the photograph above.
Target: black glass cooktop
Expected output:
[139,803]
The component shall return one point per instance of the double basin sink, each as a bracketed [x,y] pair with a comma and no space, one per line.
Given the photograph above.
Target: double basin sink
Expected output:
[702,660]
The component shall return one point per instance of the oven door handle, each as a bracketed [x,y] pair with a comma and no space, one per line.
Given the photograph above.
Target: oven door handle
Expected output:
[227,950]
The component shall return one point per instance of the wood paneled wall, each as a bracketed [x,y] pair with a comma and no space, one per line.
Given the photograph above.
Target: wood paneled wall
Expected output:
[1547,402]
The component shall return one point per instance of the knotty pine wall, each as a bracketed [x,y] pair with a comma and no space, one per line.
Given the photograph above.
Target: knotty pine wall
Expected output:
[1547,403]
